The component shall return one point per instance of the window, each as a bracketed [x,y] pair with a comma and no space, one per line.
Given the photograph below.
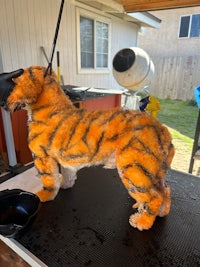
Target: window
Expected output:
[94,43]
[87,42]
[189,26]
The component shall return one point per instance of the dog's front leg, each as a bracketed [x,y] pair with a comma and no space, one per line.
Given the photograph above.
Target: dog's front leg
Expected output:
[68,177]
[49,175]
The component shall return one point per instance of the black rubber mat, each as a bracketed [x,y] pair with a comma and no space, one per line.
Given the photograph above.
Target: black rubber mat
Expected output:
[88,226]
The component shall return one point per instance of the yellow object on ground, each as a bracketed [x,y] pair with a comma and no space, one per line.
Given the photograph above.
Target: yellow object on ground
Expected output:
[153,106]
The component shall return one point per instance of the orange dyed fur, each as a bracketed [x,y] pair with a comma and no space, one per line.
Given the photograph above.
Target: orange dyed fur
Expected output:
[132,141]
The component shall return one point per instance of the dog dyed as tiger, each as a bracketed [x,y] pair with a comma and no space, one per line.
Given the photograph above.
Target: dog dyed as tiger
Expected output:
[135,143]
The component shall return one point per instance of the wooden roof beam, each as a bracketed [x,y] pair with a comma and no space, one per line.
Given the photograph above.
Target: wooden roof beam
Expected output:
[147,5]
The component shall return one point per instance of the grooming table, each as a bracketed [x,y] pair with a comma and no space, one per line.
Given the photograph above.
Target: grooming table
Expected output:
[88,226]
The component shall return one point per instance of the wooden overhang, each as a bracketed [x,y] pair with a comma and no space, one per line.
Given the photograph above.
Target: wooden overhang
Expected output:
[136,11]
[149,5]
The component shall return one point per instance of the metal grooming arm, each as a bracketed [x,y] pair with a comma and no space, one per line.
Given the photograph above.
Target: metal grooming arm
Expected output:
[8,132]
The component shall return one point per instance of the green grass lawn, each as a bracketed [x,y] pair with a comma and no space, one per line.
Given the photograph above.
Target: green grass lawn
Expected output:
[181,118]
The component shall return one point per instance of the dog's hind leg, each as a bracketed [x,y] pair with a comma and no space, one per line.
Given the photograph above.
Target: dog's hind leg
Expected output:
[148,205]
[166,204]
[50,178]
[139,182]
[148,202]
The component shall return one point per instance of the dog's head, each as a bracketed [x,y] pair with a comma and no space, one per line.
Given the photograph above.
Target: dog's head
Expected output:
[28,87]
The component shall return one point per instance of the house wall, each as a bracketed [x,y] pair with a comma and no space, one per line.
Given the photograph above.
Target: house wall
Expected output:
[27,25]
[177,61]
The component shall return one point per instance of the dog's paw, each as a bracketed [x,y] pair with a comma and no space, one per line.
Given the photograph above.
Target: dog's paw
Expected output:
[142,221]
[46,194]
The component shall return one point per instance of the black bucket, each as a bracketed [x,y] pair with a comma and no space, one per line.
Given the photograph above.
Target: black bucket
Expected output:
[17,209]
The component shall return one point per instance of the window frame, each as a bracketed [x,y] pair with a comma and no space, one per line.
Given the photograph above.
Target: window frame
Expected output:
[95,17]
[189,29]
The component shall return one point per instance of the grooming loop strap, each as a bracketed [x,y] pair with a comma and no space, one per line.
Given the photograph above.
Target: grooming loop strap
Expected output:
[49,68]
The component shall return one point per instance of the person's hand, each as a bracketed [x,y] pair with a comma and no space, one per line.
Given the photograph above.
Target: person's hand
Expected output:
[7,84]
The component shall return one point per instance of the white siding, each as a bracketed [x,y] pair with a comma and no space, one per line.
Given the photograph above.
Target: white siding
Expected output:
[26,25]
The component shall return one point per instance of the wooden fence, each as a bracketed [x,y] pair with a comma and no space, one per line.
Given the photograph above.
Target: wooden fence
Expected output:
[175,77]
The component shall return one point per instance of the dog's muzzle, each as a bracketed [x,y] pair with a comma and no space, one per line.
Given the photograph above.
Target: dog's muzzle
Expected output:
[7,85]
